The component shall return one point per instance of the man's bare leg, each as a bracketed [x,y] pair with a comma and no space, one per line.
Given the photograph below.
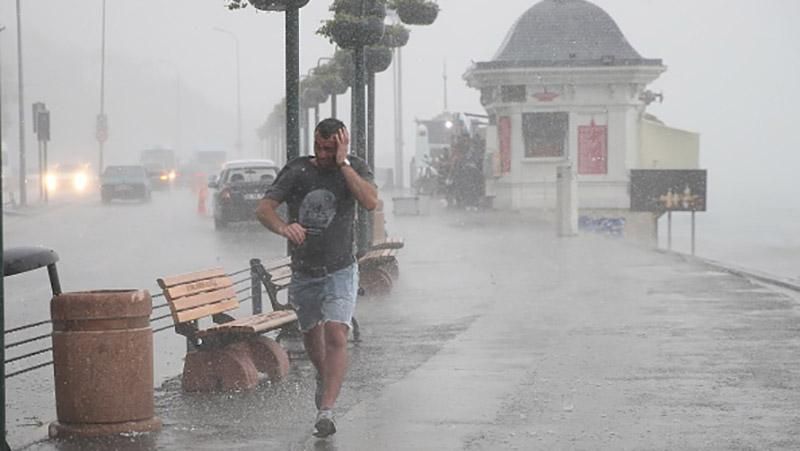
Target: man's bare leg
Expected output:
[314,343]
[334,364]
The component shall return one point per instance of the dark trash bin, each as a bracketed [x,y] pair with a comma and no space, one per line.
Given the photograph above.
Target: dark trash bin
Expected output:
[103,363]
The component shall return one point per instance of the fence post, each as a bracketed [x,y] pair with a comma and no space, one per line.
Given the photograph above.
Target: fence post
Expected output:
[255,285]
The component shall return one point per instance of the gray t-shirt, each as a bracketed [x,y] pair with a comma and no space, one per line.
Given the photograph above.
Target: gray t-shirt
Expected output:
[319,200]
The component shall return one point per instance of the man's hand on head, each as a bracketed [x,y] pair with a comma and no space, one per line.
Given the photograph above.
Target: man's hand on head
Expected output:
[342,146]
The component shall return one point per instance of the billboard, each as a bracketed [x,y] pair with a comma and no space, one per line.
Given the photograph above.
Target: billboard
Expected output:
[660,190]
[592,149]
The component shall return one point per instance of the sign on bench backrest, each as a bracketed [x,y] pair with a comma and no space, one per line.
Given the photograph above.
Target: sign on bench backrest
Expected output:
[197,295]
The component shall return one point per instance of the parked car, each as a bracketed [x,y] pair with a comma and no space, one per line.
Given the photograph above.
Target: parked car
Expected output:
[238,188]
[124,182]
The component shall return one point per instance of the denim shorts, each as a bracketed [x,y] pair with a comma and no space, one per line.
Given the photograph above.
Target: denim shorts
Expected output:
[328,298]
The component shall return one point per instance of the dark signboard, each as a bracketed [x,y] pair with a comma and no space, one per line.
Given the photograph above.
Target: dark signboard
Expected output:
[660,190]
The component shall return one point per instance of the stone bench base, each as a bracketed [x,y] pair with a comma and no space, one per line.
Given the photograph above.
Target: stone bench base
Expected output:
[234,366]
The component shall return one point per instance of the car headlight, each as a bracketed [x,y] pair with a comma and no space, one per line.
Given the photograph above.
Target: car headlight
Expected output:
[171,175]
[50,182]
[80,181]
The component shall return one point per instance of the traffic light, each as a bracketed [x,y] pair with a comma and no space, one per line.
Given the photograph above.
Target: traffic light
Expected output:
[43,125]
[37,106]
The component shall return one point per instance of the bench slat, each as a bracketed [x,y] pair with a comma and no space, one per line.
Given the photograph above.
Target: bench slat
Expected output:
[280,273]
[287,317]
[167,282]
[197,287]
[206,310]
[389,243]
[254,324]
[282,283]
[377,254]
[199,300]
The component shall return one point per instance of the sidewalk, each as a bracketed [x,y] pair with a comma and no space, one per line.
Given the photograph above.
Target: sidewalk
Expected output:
[498,335]
[589,343]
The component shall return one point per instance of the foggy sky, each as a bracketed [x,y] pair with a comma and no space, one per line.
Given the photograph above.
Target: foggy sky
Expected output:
[733,71]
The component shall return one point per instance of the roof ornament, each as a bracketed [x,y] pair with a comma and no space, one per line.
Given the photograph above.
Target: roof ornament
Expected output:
[649,97]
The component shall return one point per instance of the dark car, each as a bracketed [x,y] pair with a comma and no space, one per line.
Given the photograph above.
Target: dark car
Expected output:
[238,189]
[124,182]
[161,166]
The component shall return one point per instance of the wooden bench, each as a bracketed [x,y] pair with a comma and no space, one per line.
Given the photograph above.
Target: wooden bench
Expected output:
[388,243]
[378,266]
[229,353]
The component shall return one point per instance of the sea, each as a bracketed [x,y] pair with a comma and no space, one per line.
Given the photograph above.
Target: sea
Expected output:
[763,236]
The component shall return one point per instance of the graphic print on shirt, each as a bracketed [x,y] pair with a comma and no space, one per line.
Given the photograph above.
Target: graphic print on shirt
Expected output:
[317,211]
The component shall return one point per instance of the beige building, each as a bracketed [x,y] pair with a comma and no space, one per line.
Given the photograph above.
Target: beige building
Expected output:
[566,87]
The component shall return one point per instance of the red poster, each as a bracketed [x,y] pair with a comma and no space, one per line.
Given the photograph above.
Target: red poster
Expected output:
[504,133]
[593,149]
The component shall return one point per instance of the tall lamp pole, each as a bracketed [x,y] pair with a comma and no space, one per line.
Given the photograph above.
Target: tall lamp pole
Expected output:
[101,126]
[238,91]
[3,443]
[292,83]
[23,198]
[398,118]
[292,46]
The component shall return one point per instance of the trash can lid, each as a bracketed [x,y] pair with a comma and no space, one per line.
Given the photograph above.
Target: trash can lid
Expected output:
[101,304]
[27,258]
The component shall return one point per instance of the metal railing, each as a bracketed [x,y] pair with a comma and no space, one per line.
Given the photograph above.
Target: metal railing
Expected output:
[254,286]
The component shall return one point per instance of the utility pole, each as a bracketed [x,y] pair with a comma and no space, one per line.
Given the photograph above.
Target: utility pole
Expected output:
[101,128]
[398,118]
[23,198]
[444,78]
[3,443]
[292,83]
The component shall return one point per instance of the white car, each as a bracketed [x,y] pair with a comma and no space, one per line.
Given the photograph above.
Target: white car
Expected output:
[69,180]
[238,189]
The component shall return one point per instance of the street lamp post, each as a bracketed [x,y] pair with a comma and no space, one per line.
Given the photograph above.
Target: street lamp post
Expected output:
[238,91]
[3,443]
[292,83]
[333,94]
[23,198]
[101,128]
[398,118]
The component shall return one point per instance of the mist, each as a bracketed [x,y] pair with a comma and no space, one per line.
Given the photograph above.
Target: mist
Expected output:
[582,327]
[732,71]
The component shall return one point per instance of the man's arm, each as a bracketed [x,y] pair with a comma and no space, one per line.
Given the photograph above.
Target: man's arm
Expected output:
[267,215]
[364,191]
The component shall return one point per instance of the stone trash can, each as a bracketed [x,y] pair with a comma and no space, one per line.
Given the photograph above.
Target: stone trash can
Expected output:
[103,363]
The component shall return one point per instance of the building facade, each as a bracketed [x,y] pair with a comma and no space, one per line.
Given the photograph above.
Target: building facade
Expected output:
[566,88]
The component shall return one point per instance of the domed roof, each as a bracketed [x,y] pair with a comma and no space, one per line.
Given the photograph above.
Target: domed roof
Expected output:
[566,33]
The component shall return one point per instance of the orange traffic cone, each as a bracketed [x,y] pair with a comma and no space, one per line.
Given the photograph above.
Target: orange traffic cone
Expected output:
[201,201]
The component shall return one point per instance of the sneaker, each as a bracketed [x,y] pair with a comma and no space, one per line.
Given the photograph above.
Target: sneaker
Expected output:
[318,392]
[324,424]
